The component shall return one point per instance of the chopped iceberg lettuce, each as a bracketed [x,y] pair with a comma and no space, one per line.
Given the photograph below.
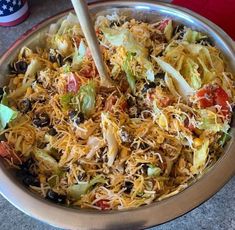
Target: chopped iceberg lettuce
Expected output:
[191,74]
[79,54]
[85,98]
[200,155]
[153,171]
[6,115]
[171,86]
[183,88]
[192,36]
[168,31]
[209,122]
[70,21]
[129,75]
[110,130]
[65,100]
[77,190]
[123,37]
[48,161]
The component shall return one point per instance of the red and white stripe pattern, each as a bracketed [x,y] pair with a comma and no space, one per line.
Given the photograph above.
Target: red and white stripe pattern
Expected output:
[13,12]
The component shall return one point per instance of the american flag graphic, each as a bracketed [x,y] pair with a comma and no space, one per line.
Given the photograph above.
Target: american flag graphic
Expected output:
[13,12]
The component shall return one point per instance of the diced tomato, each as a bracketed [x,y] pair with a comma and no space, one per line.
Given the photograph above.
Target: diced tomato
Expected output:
[221,98]
[7,152]
[110,102]
[165,101]
[162,98]
[214,95]
[151,96]
[88,53]
[206,98]
[88,72]
[3,150]
[163,24]
[97,32]
[123,105]
[73,84]
[77,40]
[188,125]
[103,204]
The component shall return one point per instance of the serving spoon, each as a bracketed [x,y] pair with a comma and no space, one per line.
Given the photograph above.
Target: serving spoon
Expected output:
[82,12]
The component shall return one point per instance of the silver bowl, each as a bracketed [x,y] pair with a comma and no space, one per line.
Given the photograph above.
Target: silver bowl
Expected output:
[142,217]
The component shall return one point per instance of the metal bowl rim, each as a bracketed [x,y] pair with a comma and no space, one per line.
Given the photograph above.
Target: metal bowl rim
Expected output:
[40,207]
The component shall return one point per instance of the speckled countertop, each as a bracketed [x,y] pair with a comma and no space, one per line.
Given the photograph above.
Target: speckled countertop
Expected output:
[216,213]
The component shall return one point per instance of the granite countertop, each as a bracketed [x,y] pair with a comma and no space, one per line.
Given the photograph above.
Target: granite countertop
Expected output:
[216,213]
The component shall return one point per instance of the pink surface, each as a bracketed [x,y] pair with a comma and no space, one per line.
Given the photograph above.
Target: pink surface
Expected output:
[221,12]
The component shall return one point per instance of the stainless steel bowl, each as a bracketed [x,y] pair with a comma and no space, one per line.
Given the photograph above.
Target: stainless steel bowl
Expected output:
[146,216]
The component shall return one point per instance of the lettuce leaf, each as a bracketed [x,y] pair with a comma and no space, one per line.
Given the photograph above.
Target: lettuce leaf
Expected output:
[6,115]
[170,85]
[190,71]
[123,37]
[168,31]
[129,75]
[77,190]
[32,69]
[208,76]
[68,23]
[224,139]
[21,90]
[79,55]
[4,99]
[148,67]
[209,122]
[183,88]
[200,155]
[153,171]
[48,161]
[86,98]
[192,36]
[109,130]
[65,100]
[63,44]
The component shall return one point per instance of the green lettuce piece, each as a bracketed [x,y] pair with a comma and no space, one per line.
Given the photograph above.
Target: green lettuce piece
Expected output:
[208,76]
[86,96]
[114,36]
[200,155]
[129,75]
[77,190]
[6,115]
[168,30]
[190,71]
[182,86]
[209,122]
[53,180]
[224,139]
[148,66]
[4,99]
[123,37]
[79,55]
[206,62]
[171,86]
[32,69]
[21,90]
[66,68]
[68,23]
[153,171]
[47,160]
[65,100]
[192,36]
